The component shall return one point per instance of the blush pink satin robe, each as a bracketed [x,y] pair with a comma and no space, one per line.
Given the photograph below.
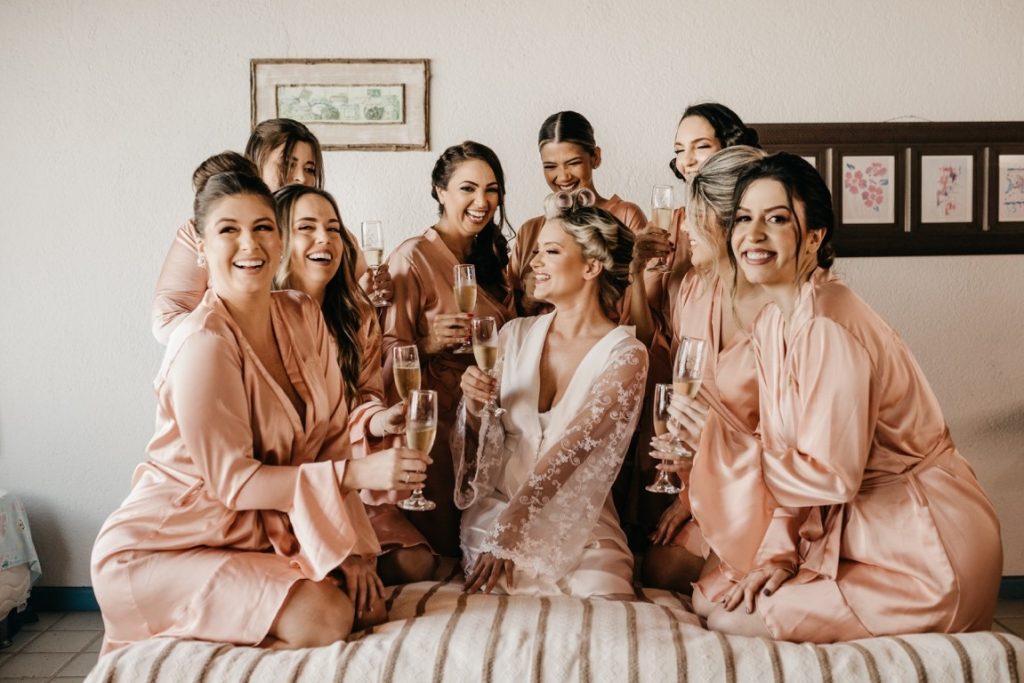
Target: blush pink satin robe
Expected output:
[889,531]
[520,272]
[180,288]
[422,272]
[241,496]
[729,383]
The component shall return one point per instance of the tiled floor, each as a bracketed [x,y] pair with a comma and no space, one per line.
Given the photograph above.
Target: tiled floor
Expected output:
[64,646]
[59,647]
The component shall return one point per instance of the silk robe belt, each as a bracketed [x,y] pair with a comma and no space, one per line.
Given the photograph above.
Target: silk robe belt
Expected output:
[822,533]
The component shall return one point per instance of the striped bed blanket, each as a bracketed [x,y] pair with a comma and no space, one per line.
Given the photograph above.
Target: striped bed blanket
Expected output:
[436,633]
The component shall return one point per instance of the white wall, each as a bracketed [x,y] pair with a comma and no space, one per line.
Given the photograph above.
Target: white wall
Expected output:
[106,107]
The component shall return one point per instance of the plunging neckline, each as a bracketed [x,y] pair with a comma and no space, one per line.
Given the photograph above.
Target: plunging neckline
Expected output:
[551,411]
[300,423]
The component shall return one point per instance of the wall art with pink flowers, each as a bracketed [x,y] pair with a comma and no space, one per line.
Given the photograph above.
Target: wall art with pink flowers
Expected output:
[947,189]
[1010,188]
[869,185]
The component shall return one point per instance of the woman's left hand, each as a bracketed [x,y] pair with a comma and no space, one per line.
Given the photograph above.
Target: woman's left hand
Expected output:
[362,584]
[687,417]
[378,282]
[488,570]
[765,580]
[388,422]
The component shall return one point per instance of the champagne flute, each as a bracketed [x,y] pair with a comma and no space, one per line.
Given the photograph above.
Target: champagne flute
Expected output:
[373,251]
[485,348]
[689,366]
[420,430]
[406,367]
[662,399]
[465,297]
[661,216]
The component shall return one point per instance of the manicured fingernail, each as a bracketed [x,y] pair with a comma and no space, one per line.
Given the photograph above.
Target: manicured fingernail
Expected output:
[767,591]
[750,611]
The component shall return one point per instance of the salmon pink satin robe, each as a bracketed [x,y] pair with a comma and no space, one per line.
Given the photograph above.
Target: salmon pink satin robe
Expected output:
[729,382]
[422,272]
[520,272]
[889,530]
[241,496]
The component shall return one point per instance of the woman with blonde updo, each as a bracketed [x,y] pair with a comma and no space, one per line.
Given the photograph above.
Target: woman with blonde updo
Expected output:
[534,484]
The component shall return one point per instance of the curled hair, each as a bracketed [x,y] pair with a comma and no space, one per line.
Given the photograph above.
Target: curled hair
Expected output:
[710,193]
[224,185]
[225,162]
[568,126]
[270,134]
[601,236]
[729,128]
[802,182]
[489,252]
[345,306]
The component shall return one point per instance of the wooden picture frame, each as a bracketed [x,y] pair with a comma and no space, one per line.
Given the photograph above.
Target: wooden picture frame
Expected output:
[1006,188]
[954,178]
[349,104]
[988,141]
[868,190]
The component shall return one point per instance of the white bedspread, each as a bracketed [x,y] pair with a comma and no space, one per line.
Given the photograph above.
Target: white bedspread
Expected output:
[436,633]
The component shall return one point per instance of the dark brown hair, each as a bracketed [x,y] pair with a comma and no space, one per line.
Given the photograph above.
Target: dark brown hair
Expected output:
[568,126]
[271,134]
[489,252]
[345,305]
[224,185]
[225,162]
[729,128]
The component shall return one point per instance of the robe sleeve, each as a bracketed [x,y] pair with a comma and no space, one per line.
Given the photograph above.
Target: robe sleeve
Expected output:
[547,522]
[402,323]
[834,423]
[181,285]
[370,398]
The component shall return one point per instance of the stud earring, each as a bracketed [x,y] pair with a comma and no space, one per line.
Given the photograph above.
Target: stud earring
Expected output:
[201,261]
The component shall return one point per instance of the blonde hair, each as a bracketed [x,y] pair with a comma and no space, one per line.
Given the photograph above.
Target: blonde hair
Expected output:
[710,204]
[600,236]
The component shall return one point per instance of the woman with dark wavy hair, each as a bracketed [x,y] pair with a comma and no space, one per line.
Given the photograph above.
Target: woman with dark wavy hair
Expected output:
[319,260]
[279,151]
[851,512]
[468,185]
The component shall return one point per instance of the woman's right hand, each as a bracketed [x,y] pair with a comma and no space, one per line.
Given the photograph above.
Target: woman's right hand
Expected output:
[672,520]
[393,469]
[448,330]
[478,387]
[650,243]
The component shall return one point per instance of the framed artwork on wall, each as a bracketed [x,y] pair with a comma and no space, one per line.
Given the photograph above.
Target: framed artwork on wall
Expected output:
[868,190]
[1006,188]
[349,104]
[946,187]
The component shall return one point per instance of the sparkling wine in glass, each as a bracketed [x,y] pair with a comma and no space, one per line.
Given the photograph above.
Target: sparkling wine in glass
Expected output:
[406,367]
[688,369]
[485,348]
[662,399]
[420,430]
[373,252]
[661,216]
[465,297]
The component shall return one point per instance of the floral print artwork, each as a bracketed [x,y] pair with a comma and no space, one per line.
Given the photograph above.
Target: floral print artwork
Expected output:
[868,189]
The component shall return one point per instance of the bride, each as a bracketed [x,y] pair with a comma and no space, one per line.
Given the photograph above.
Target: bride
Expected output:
[534,483]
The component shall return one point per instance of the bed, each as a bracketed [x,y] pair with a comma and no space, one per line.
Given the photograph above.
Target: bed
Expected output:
[437,633]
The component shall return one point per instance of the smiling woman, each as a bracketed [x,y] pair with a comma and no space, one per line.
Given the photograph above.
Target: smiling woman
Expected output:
[469,186]
[249,488]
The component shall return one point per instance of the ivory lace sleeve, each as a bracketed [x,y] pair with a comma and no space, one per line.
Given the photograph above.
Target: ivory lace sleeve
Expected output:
[548,521]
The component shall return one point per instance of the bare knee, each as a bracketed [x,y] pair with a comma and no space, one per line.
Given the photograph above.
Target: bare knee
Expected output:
[701,605]
[407,565]
[313,615]
[671,568]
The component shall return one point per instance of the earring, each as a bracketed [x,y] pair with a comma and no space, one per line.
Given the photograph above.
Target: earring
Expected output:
[201,261]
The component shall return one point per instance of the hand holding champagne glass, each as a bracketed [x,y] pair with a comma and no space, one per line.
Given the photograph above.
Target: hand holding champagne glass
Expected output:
[373,251]
[406,368]
[485,348]
[662,399]
[689,367]
[420,430]
[661,216]
[465,296]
